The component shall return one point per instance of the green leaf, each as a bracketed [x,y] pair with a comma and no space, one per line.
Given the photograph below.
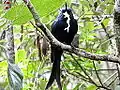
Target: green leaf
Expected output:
[15,77]
[85,3]
[77,86]
[89,65]
[2,23]
[89,26]
[20,55]
[45,7]
[42,84]
[109,9]
[66,65]
[18,14]
[106,22]
[91,87]
[3,68]
[1,9]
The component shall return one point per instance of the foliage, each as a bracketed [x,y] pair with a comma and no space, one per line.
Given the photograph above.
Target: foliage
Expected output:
[94,18]
[15,77]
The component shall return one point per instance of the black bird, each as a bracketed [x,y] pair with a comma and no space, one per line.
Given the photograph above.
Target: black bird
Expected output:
[64,29]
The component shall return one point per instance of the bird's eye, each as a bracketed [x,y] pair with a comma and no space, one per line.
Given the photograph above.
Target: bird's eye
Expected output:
[69,10]
[63,11]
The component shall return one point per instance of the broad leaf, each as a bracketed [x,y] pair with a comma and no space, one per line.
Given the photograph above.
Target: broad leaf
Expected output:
[20,14]
[15,77]
[45,7]
[92,87]
[20,55]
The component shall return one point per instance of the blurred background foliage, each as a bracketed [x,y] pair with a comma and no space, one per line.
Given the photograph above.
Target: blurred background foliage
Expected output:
[32,52]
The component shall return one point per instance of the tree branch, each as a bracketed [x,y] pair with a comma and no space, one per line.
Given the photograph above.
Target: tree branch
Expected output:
[10,45]
[97,74]
[68,48]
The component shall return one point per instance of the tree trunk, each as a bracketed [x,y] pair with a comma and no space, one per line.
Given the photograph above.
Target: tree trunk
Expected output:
[117,26]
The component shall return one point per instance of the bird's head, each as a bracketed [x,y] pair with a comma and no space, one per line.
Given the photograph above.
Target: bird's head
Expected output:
[66,12]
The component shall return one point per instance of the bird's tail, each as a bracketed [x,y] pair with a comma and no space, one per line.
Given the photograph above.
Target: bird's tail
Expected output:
[55,75]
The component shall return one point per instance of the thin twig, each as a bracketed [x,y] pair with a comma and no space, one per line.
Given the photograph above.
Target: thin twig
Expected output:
[39,30]
[118,73]
[110,77]
[112,81]
[83,70]
[90,79]
[107,34]
[97,74]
